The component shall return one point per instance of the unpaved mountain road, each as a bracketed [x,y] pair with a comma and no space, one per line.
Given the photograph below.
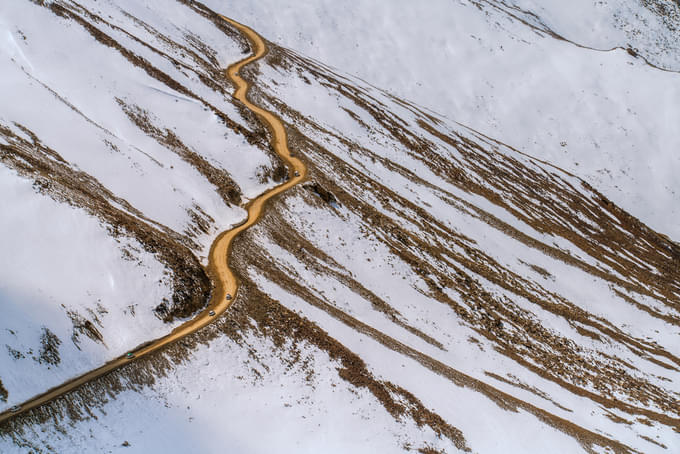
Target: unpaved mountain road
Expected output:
[223,277]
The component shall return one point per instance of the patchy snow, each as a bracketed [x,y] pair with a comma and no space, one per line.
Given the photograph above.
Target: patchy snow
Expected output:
[62,85]
[391,279]
[596,114]
[605,116]
[59,261]
[252,405]
[89,106]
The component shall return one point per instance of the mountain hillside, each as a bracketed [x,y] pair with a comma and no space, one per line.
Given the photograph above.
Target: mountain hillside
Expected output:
[589,85]
[445,279]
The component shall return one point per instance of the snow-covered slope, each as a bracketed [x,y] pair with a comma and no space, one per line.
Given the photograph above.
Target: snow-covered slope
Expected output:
[428,289]
[552,78]
[122,156]
[445,241]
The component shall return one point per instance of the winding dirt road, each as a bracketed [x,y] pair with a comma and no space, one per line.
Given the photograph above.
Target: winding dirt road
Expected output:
[218,268]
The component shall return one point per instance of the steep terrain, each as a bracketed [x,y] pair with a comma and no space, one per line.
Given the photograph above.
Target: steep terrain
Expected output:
[427,288]
[225,285]
[108,132]
[589,85]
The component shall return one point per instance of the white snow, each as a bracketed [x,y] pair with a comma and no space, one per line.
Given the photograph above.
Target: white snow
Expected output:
[604,116]
[57,259]
[62,85]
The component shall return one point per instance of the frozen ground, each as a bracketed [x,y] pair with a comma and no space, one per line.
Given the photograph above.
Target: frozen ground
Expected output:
[68,109]
[601,114]
[429,289]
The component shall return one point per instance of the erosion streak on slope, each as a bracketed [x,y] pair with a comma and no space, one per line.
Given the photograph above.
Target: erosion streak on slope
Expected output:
[218,268]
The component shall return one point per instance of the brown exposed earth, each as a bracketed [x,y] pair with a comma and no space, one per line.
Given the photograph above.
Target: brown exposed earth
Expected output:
[638,264]
[223,279]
